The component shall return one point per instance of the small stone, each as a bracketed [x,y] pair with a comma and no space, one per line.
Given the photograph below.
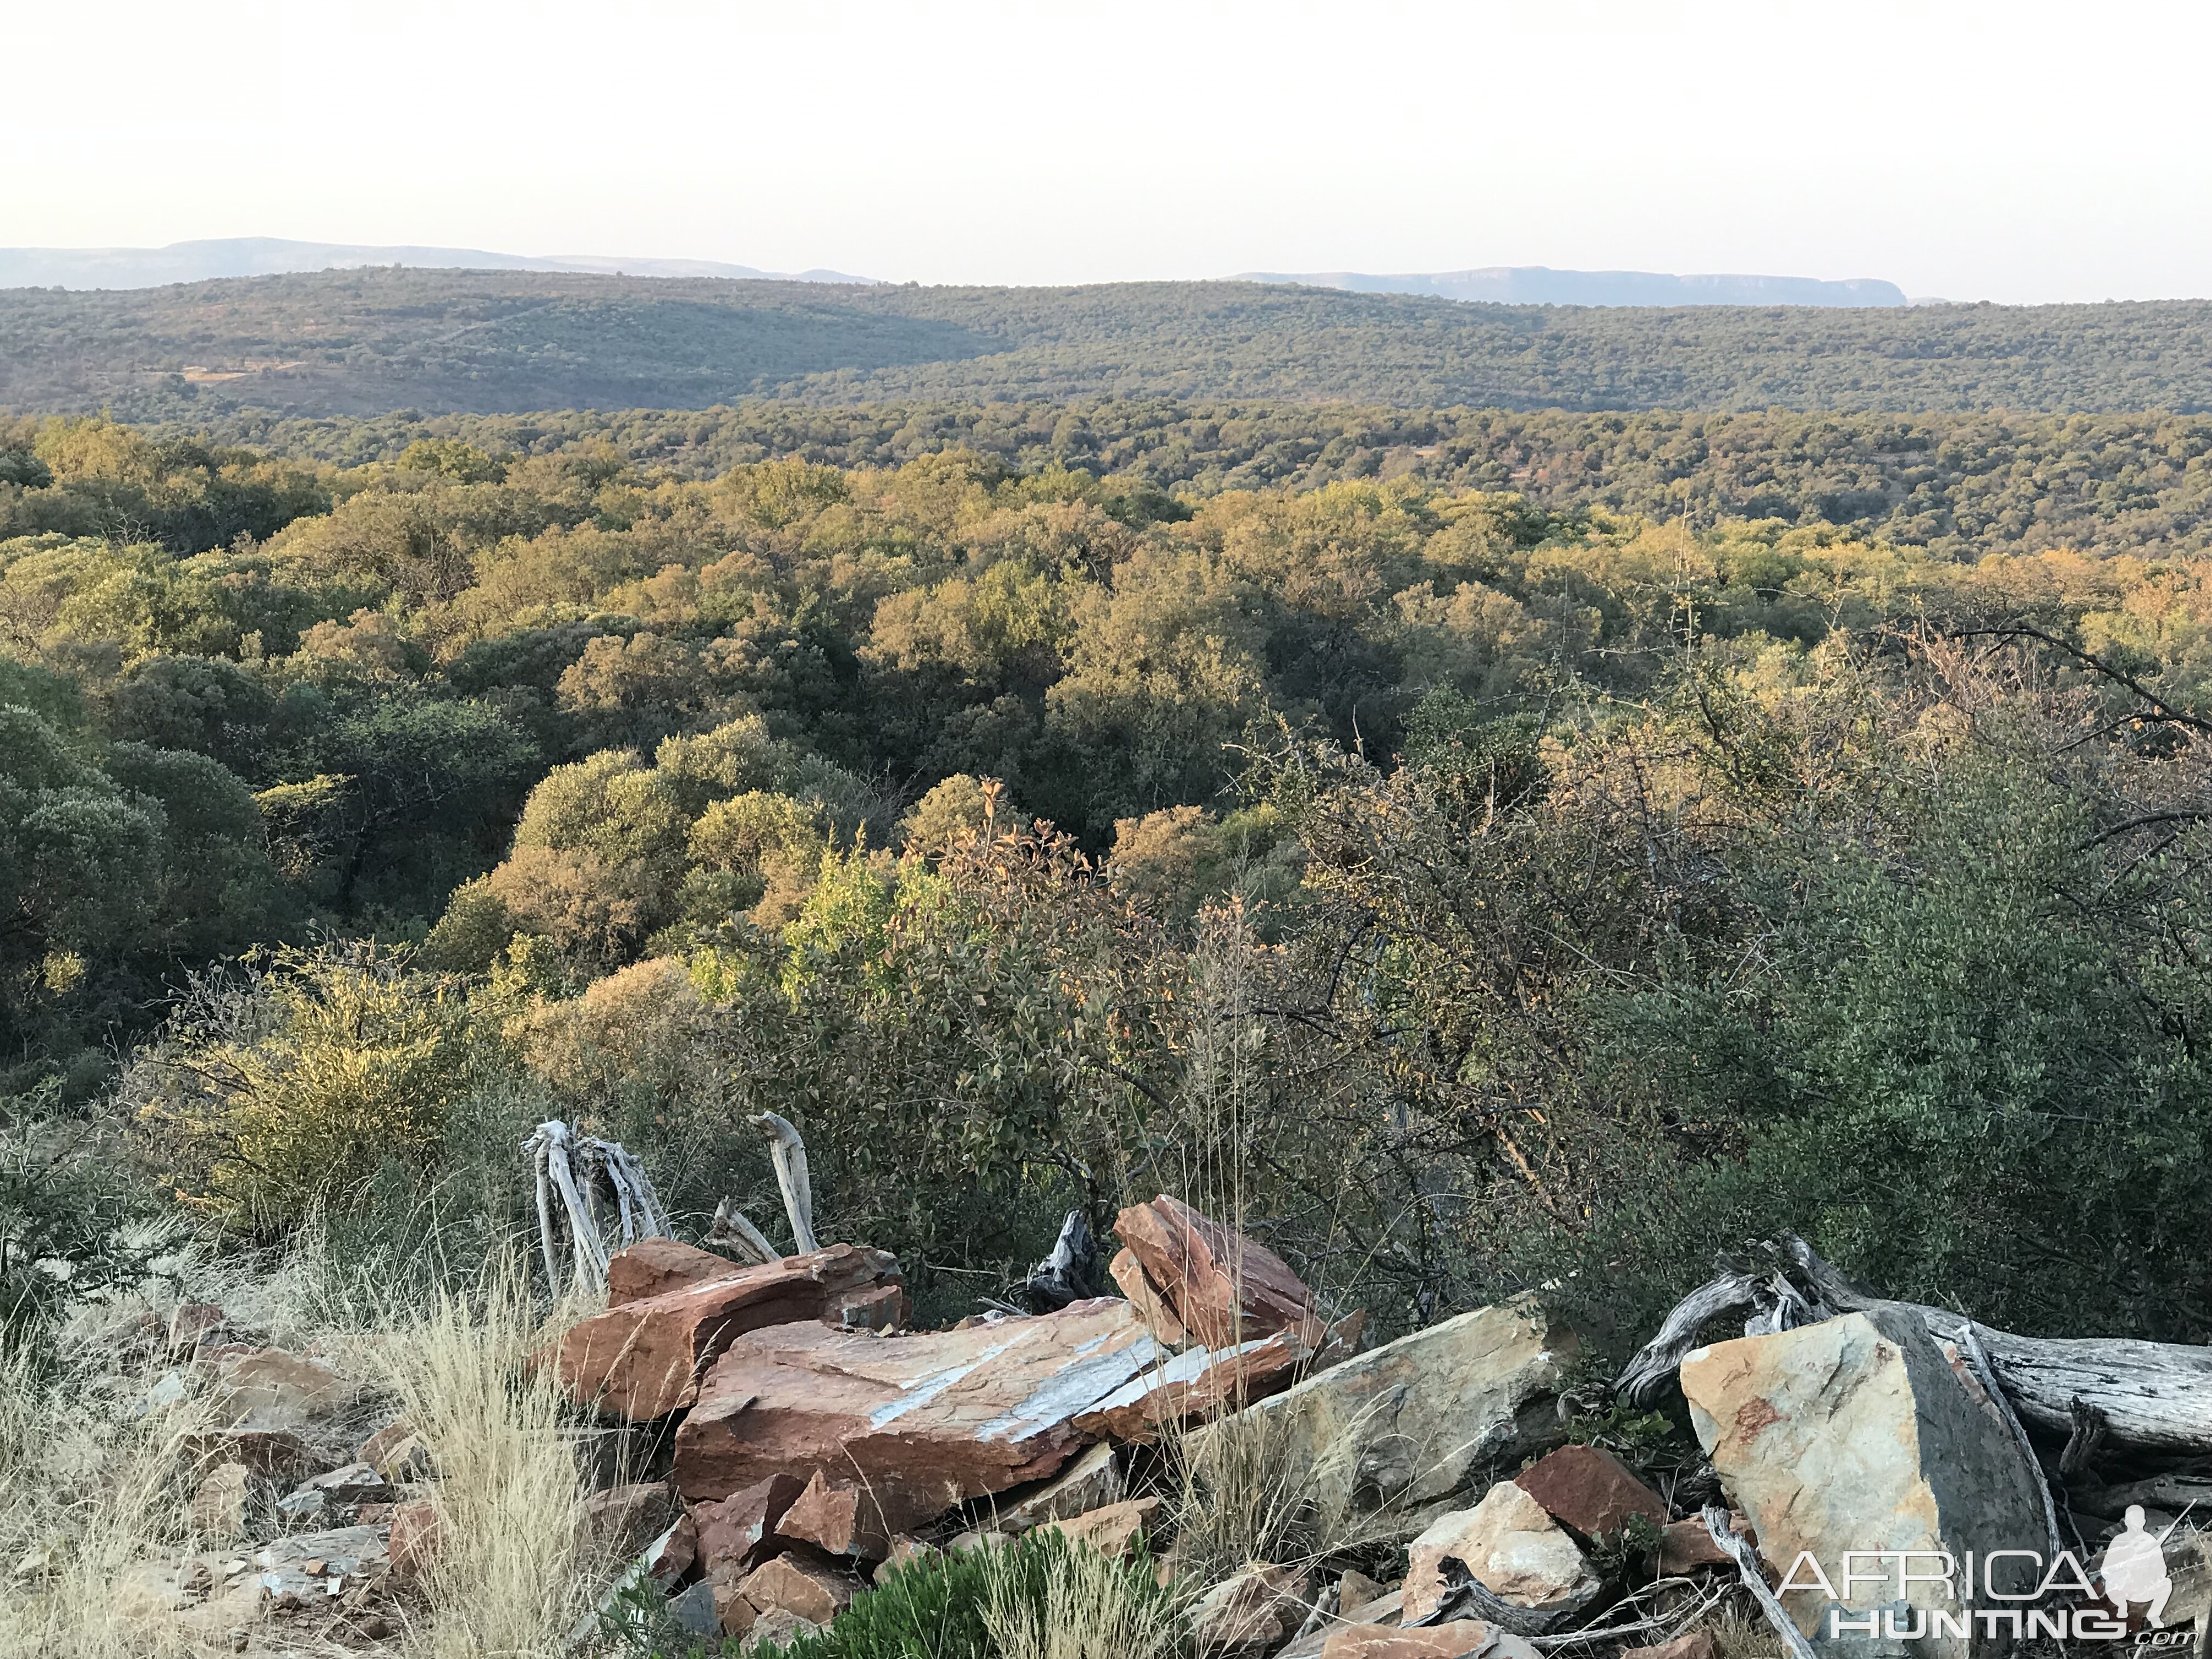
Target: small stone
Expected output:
[239,1640]
[1590,1492]
[1111,1531]
[841,1519]
[312,1566]
[693,1610]
[883,1308]
[1451,1641]
[1511,1545]
[735,1534]
[1092,1481]
[1698,1644]
[813,1590]
[1256,1611]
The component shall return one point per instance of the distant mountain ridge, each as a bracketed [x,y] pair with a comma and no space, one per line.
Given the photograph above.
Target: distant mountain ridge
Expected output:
[274,256]
[1541,285]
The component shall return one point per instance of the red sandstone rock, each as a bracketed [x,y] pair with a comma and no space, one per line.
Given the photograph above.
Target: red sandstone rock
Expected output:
[1151,1307]
[1222,1286]
[738,1532]
[1196,1383]
[654,1266]
[918,1422]
[806,1589]
[643,1359]
[881,1308]
[838,1517]
[414,1543]
[1590,1491]
[1112,1531]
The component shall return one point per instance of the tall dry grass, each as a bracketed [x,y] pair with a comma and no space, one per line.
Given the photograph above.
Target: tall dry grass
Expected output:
[1093,1608]
[512,1570]
[84,1497]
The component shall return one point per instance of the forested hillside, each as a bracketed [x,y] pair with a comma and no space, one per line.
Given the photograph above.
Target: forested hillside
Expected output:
[1958,484]
[1486,887]
[367,342]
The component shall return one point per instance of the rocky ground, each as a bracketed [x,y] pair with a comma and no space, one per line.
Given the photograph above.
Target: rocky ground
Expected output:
[759,1444]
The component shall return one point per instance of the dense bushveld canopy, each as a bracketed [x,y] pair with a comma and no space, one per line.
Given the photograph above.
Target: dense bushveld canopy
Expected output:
[1468,892]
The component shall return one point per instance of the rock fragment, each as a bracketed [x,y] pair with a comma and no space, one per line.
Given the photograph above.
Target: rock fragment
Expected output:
[1511,1545]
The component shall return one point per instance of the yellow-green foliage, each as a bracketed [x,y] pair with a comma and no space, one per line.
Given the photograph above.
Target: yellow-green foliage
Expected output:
[294,1087]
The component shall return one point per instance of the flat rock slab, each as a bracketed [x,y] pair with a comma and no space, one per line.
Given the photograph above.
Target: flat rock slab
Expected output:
[1196,1383]
[1413,1427]
[1858,1434]
[654,1266]
[918,1423]
[643,1359]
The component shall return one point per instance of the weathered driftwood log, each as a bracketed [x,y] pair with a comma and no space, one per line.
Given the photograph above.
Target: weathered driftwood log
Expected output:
[577,1170]
[1466,1597]
[1074,1272]
[1746,1563]
[730,1230]
[2152,1397]
[788,1153]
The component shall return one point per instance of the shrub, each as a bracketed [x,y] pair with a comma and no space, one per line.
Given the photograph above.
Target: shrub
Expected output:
[289,1083]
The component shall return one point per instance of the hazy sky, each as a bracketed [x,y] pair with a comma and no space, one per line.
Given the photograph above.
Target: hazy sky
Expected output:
[2013,152]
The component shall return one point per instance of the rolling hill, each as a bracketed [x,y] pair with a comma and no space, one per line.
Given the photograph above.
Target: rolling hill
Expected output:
[370,340]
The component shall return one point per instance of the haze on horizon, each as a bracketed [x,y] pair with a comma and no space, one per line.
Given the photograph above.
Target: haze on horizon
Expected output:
[2016,153]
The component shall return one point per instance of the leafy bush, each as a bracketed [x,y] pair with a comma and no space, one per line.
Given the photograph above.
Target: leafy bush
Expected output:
[970,1604]
[289,1083]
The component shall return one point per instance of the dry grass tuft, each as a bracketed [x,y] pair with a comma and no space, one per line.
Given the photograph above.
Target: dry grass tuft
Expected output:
[83,1498]
[510,1575]
[1094,1607]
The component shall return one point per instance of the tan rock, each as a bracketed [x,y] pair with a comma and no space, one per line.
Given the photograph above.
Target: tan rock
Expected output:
[1590,1491]
[1112,1531]
[1452,1641]
[918,1423]
[904,1549]
[1090,1482]
[1355,1591]
[643,1359]
[621,1520]
[1256,1611]
[883,1308]
[1223,1287]
[836,1516]
[1688,1546]
[1511,1545]
[737,1533]
[1402,1432]
[396,1452]
[733,1612]
[1856,1434]
[653,1267]
[1697,1644]
[800,1586]
[1198,1382]
[218,1508]
[270,1381]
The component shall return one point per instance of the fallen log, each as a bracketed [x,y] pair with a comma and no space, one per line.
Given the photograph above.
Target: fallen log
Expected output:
[2152,1397]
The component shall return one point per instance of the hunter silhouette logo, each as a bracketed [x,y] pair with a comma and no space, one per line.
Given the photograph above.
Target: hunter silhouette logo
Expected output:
[2135,1568]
